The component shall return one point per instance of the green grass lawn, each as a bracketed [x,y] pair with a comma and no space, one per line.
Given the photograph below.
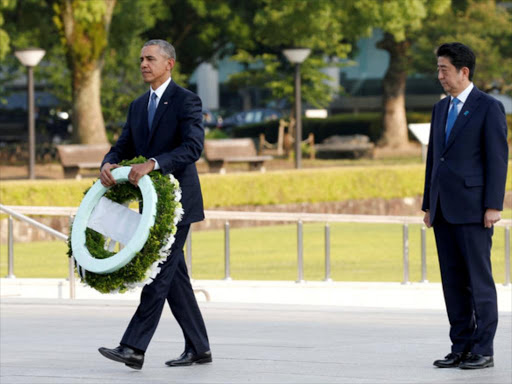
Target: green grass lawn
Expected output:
[359,252]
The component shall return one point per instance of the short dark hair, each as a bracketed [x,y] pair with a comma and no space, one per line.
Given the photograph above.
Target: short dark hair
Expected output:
[460,55]
[165,48]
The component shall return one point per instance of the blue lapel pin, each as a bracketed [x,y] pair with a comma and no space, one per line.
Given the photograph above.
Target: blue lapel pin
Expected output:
[466,113]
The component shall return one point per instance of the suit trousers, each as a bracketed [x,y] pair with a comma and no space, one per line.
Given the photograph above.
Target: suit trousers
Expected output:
[171,284]
[464,252]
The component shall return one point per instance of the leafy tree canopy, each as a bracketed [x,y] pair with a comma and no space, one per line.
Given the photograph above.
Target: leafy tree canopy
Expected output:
[325,27]
[482,25]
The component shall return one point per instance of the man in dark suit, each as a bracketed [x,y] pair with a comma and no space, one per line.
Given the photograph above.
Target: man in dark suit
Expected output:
[165,126]
[464,191]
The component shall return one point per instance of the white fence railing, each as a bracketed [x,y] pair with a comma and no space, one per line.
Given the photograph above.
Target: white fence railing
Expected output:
[20,212]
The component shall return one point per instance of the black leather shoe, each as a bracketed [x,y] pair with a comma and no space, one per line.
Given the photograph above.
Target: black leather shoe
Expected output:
[475,361]
[188,358]
[124,355]
[451,360]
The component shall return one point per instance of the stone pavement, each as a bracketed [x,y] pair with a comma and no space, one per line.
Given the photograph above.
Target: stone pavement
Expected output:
[54,341]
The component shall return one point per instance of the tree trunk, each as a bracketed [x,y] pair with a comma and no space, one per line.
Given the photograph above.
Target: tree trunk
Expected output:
[86,42]
[394,120]
[88,123]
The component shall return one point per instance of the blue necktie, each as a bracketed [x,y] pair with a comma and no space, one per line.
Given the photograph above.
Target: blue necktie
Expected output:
[151,110]
[452,116]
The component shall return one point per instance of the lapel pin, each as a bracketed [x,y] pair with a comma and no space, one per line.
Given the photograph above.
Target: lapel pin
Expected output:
[466,113]
[165,102]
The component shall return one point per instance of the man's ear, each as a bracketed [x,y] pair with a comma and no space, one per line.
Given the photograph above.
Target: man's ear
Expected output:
[465,72]
[171,63]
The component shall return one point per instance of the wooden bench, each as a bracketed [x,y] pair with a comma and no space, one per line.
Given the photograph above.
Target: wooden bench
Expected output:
[218,153]
[352,147]
[76,157]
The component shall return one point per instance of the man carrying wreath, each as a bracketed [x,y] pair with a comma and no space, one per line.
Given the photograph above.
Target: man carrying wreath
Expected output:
[165,126]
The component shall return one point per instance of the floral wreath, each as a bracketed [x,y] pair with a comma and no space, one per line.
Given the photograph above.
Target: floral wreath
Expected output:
[143,267]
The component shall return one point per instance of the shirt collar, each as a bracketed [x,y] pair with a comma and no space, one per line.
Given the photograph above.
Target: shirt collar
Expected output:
[464,94]
[160,90]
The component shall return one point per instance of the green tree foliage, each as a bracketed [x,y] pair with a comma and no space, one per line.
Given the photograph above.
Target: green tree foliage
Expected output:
[5,5]
[255,32]
[482,25]
[402,22]
[323,26]
[28,23]
[81,42]
[412,31]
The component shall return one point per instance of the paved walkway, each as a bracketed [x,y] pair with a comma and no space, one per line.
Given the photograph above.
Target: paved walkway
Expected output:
[55,341]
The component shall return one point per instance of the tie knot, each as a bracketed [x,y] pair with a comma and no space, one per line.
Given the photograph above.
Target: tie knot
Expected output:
[455,101]
[153,97]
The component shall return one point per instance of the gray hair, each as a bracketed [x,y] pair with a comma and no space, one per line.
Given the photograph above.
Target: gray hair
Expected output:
[166,48]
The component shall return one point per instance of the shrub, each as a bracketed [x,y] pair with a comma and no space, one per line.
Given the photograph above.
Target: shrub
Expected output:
[312,185]
[251,188]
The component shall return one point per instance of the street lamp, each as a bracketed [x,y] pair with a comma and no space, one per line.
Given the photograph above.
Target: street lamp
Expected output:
[30,57]
[297,56]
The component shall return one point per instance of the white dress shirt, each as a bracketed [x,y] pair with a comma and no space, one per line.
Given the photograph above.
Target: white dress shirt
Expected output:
[462,97]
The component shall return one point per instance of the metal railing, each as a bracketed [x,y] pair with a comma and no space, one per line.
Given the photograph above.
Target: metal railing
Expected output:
[14,211]
[19,212]
[301,218]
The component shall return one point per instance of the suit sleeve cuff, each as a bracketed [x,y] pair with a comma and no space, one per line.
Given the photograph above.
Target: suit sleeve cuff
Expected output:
[157,166]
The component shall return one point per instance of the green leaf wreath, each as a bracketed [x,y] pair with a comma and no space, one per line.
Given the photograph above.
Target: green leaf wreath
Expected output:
[161,236]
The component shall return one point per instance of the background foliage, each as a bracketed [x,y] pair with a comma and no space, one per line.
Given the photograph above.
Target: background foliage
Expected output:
[254,32]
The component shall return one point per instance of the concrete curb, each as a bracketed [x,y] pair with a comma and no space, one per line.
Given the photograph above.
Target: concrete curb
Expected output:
[339,294]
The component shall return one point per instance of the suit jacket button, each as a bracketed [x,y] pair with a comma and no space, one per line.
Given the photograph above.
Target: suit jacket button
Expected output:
[442,158]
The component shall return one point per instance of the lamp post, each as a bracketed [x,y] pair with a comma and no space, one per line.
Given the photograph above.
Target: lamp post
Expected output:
[30,57]
[297,56]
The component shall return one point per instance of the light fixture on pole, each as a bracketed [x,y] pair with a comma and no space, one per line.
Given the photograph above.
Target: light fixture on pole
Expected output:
[30,57]
[297,56]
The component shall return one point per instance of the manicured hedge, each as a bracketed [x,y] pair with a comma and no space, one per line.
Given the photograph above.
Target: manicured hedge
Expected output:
[312,185]
[369,124]
[251,188]
[58,193]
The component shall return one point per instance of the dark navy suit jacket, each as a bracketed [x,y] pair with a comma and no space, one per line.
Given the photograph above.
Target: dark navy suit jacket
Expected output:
[176,141]
[467,174]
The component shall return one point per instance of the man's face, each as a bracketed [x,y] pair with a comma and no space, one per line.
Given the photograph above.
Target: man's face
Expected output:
[154,66]
[452,80]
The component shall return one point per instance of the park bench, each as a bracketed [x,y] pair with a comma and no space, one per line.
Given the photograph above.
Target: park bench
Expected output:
[76,157]
[350,146]
[218,153]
